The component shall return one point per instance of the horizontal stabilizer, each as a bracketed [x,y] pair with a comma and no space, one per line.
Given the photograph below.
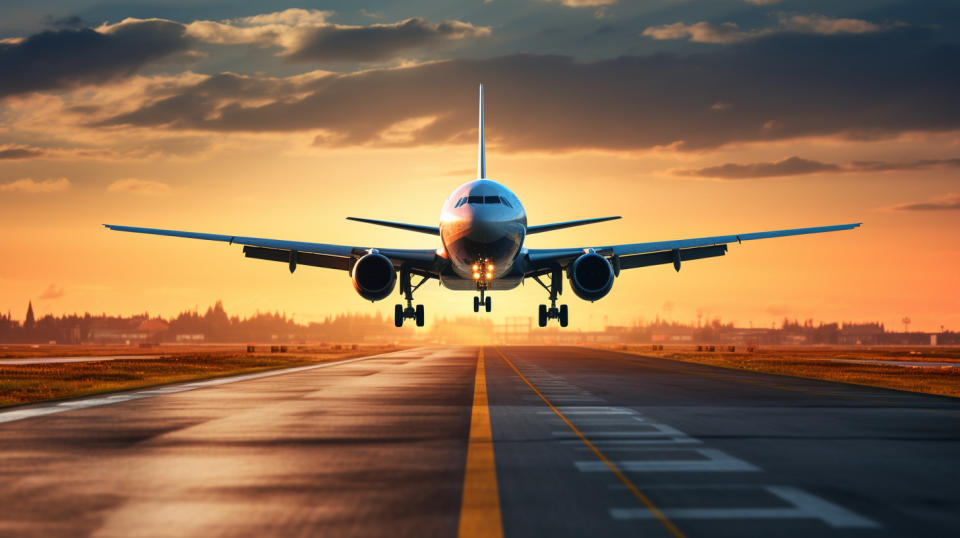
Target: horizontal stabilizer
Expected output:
[567,224]
[432,230]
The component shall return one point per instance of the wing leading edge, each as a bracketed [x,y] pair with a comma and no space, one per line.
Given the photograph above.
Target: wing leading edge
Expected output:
[297,252]
[656,252]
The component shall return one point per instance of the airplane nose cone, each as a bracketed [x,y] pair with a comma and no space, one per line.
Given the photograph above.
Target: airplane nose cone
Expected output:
[486,228]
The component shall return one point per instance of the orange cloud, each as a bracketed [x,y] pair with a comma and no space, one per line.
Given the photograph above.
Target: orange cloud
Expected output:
[143,187]
[31,186]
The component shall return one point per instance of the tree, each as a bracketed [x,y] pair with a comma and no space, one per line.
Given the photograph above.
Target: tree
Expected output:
[29,322]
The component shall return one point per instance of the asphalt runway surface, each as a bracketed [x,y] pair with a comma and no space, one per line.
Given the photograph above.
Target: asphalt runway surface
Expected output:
[540,441]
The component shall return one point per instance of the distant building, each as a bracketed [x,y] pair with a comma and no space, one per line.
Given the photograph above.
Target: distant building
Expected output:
[867,334]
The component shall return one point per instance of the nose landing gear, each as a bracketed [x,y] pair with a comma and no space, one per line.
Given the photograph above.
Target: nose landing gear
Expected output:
[554,289]
[486,302]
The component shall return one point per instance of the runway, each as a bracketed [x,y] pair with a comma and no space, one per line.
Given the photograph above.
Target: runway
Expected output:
[84,358]
[540,441]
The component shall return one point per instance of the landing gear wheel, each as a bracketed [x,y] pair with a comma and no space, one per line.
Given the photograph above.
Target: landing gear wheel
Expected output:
[563,315]
[476,304]
[542,321]
[419,315]
[398,315]
[488,304]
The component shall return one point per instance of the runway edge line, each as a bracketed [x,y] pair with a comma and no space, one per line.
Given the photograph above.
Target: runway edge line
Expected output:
[657,513]
[480,508]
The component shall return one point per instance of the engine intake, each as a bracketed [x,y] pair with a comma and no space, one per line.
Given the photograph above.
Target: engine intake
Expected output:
[591,276]
[374,276]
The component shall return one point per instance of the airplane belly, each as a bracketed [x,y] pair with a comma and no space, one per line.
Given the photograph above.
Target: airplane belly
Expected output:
[452,281]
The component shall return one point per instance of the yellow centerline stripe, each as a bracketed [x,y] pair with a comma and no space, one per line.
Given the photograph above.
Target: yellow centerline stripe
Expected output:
[616,471]
[480,508]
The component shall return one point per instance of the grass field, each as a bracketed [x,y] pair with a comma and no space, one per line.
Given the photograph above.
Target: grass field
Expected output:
[29,383]
[823,363]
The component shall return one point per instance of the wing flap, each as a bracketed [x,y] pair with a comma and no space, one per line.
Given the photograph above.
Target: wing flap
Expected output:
[298,258]
[668,256]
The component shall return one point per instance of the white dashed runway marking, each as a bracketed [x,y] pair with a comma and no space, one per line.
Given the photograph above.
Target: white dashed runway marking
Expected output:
[802,506]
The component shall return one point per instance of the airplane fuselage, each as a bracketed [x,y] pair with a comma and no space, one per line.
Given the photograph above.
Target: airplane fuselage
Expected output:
[482,227]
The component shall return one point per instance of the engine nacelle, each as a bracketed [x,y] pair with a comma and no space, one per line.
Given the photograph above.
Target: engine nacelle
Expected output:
[591,276]
[374,276]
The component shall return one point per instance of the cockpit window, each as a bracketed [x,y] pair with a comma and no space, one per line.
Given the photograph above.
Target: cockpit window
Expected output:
[461,201]
[505,202]
[475,199]
[491,199]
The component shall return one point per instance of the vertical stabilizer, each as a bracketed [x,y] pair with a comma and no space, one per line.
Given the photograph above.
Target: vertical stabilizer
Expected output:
[481,152]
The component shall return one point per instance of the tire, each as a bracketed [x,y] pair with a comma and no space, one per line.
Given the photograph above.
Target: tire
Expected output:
[476,303]
[488,304]
[398,315]
[563,315]
[419,315]
[543,315]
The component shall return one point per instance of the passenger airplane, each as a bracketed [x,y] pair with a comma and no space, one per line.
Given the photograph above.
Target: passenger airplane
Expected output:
[482,229]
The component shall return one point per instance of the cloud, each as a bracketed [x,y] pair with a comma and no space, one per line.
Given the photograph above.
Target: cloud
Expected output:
[728,32]
[583,3]
[763,2]
[72,56]
[306,35]
[795,166]
[19,152]
[704,32]
[31,186]
[947,202]
[379,41]
[823,25]
[143,187]
[787,167]
[54,60]
[874,86]
[52,292]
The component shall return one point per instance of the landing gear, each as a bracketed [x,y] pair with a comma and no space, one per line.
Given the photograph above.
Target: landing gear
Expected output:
[554,289]
[406,288]
[486,301]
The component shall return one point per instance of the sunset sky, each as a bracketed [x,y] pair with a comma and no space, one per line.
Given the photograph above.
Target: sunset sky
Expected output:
[688,118]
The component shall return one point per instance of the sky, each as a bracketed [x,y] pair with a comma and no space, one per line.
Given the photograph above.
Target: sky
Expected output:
[688,118]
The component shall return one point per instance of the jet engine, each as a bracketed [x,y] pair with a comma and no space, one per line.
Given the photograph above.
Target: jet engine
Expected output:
[591,276]
[374,276]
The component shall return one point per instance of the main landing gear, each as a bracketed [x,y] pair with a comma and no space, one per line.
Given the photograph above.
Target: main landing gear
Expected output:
[399,312]
[554,289]
[486,302]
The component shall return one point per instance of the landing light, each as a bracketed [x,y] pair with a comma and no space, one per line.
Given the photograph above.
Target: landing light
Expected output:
[476,275]
[489,276]
[476,268]
[490,267]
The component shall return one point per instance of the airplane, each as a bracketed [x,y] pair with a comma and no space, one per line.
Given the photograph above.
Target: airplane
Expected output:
[482,230]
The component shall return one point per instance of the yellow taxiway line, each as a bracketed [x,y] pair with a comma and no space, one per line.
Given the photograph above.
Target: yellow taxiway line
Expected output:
[480,508]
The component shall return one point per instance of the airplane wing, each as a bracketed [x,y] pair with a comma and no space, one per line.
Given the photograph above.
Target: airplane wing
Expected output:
[302,253]
[432,230]
[568,224]
[633,255]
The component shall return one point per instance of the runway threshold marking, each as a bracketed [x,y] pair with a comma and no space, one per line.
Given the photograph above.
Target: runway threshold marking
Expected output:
[480,507]
[652,508]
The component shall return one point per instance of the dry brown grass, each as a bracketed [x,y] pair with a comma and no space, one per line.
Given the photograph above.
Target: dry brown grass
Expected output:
[29,383]
[816,363]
